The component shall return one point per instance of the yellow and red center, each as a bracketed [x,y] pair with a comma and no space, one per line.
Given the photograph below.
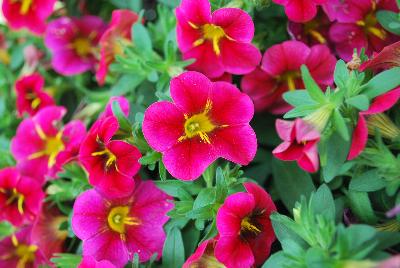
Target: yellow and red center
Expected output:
[118,219]
[370,24]
[14,198]
[289,78]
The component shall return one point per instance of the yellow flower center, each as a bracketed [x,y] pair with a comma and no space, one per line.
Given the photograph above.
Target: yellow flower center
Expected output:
[247,226]
[24,252]
[369,24]
[35,101]
[109,157]
[289,78]
[310,28]
[53,146]
[199,125]
[212,33]
[4,57]
[25,6]
[118,218]
[82,46]
[13,196]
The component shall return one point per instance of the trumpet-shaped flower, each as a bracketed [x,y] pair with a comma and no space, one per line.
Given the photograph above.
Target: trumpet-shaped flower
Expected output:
[30,14]
[357,27]
[19,251]
[369,120]
[219,42]
[280,72]
[111,164]
[90,262]
[42,146]
[20,197]
[300,10]
[244,228]
[113,39]
[205,121]
[73,43]
[30,95]
[299,143]
[116,229]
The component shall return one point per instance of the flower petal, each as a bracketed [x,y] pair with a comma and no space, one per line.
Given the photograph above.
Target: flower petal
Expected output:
[237,24]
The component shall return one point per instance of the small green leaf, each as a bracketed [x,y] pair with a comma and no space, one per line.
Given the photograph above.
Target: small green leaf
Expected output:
[323,203]
[361,102]
[277,259]
[298,98]
[123,121]
[340,125]
[150,158]
[66,260]
[361,206]
[173,251]
[311,86]
[341,74]
[389,20]
[382,83]
[301,111]
[141,38]
[369,181]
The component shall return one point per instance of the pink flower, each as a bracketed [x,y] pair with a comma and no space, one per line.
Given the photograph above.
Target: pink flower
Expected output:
[116,229]
[42,146]
[72,42]
[32,56]
[118,33]
[20,197]
[380,104]
[30,95]
[111,164]
[90,262]
[46,233]
[18,251]
[219,42]
[392,262]
[203,256]
[389,57]
[205,121]
[123,104]
[31,14]
[357,26]
[299,143]
[244,227]
[280,72]
[300,10]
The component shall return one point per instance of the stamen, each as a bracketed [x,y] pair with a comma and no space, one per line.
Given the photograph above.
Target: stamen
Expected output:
[246,225]
[25,6]
[111,158]
[316,35]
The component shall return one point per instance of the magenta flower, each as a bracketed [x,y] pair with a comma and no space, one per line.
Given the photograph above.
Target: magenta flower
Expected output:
[116,229]
[118,33]
[219,42]
[245,230]
[299,144]
[386,59]
[31,14]
[357,26]
[300,10]
[20,197]
[280,72]
[90,262]
[42,146]
[111,164]
[123,104]
[72,42]
[18,251]
[30,95]
[204,256]
[205,121]
[380,104]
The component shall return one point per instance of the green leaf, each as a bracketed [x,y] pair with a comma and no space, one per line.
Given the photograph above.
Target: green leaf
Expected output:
[369,181]
[382,83]
[361,206]
[340,125]
[291,182]
[126,84]
[335,153]
[123,121]
[311,86]
[322,202]
[162,171]
[341,74]
[298,98]
[276,260]
[361,102]
[141,38]
[150,158]
[6,229]
[389,20]
[205,197]
[301,111]
[285,229]
[66,260]
[173,251]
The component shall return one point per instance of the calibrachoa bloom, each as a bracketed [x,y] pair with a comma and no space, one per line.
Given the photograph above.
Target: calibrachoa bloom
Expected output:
[73,43]
[46,232]
[111,164]
[389,57]
[280,72]
[370,119]
[20,197]
[90,262]
[111,42]
[244,228]
[356,25]
[30,95]
[205,121]
[300,10]
[115,229]
[19,251]
[42,146]
[204,256]
[31,14]
[299,143]
[219,42]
